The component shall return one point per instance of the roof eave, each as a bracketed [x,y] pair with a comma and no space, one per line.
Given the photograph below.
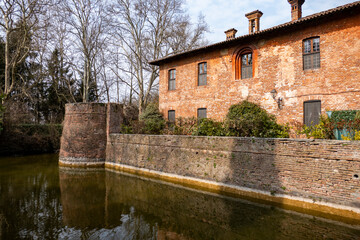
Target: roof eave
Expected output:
[272,30]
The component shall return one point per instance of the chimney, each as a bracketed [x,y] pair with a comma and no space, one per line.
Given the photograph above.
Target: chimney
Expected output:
[254,21]
[230,34]
[296,9]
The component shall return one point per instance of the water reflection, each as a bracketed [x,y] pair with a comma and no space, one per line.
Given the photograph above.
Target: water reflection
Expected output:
[29,197]
[83,197]
[99,204]
[136,208]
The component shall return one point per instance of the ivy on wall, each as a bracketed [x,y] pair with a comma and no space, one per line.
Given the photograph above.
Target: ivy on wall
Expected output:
[347,115]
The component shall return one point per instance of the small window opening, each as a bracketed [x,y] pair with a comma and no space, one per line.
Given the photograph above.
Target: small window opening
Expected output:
[201,113]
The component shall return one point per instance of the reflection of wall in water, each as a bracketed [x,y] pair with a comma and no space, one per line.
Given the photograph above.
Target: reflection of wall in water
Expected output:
[188,214]
[138,207]
[83,197]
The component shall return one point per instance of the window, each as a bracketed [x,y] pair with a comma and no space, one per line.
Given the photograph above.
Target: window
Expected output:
[172,77]
[202,74]
[311,53]
[312,111]
[244,63]
[246,66]
[201,113]
[171,115]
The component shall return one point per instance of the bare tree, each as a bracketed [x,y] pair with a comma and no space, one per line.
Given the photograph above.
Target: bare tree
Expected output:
[19,22]
[146,30]
[86,21]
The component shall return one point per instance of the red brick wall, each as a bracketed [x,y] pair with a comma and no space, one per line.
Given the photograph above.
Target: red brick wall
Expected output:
[85,130]
[326,171]
[84,133]
[278,65]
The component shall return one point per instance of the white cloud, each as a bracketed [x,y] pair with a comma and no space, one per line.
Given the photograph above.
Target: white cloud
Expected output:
[222,15]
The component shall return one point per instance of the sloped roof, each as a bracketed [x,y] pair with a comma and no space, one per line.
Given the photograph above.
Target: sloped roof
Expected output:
[305,20]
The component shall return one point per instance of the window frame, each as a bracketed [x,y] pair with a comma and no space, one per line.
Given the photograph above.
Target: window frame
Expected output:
[204,73]
[310,101]
[312,55]
[171,111]
[172,73]
[239,65]
[198,111]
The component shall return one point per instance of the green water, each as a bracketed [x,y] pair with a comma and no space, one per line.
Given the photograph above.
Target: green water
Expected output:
[40,201]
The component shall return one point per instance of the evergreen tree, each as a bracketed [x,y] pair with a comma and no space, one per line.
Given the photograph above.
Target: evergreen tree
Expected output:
[62,88]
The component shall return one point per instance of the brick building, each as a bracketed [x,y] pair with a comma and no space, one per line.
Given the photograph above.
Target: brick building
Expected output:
[295,70]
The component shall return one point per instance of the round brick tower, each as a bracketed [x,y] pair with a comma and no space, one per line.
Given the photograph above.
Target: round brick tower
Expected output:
[84,136]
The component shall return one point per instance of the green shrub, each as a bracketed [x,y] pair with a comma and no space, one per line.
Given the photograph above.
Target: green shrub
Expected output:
[323,130]
[347,115]
[126,129]
[153,121]
[357,115]
[209,127]
[346,120]
[181,126]
[248,119]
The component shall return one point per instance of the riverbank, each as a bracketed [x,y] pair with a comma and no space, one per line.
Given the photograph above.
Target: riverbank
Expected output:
[28,139]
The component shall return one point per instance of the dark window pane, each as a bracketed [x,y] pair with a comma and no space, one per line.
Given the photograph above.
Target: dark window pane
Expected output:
[316,60]
[171,115]
[201,113]
[250,59]
[246,66]
[312,111]
[172,84]
[172,74]
[205,67]
[307,62]
[202,79]
[246,72]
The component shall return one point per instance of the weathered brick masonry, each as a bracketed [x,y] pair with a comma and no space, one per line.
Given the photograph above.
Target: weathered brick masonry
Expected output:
[85,130]
[277,64]
[321,170]
[320,175]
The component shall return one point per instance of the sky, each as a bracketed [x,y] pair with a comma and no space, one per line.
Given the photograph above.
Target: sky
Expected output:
[222,15]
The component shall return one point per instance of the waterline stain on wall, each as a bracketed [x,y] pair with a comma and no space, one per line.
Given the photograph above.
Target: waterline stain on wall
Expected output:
[309,175]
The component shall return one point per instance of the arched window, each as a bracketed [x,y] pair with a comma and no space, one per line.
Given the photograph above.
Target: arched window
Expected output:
[244,64]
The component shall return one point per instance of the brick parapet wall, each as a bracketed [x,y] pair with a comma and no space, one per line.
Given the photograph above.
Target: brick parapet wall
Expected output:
[322,170]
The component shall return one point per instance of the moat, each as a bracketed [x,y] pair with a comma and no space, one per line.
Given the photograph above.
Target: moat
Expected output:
[39,200]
